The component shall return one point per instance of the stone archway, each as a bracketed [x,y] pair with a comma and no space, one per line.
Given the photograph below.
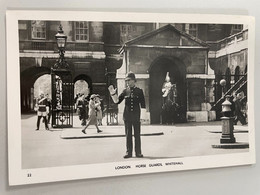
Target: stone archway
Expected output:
[177,73]
[81,87]
[27,80]
[42,85]
[84,78]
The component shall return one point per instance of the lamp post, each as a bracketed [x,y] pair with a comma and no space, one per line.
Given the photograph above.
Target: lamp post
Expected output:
[61,40]
[62,87]
[223,83]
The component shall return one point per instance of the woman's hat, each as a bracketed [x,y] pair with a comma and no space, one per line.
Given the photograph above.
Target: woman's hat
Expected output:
[98,96]
[93,96]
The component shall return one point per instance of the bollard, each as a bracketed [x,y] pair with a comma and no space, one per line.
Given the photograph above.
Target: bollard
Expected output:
[227,123]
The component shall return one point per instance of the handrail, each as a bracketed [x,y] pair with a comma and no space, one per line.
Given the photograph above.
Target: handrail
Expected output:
[242,85]
[217,45]
[239,84]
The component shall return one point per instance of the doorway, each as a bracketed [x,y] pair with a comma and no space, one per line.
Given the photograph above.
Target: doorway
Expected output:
[32,81]
[177,73]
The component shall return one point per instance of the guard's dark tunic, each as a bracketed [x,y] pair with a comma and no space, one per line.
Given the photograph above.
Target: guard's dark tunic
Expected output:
[134,98]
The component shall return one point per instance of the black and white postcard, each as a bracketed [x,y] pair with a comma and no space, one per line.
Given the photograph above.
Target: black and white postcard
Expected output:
[101,94]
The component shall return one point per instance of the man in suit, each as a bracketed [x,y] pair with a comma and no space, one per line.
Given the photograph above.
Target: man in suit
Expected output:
[134,99]
[238,111]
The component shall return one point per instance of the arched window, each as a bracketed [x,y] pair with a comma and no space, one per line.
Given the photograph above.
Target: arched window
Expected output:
[38,29]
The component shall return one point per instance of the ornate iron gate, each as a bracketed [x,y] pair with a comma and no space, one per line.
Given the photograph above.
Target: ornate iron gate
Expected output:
[62,98]
[62,87]
[111,107]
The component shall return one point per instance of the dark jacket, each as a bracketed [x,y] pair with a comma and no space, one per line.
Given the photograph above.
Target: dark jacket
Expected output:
[238,106]
[134,98]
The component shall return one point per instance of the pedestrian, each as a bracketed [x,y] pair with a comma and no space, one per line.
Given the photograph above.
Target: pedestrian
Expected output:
[42,108]
[99,110]
[232,100]
[81,107]
[244,107]
[238,111]
[134,98]
[92,113]
[75,102]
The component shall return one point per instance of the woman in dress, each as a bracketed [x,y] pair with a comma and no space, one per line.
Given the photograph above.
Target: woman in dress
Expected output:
[92,120]
[99,110]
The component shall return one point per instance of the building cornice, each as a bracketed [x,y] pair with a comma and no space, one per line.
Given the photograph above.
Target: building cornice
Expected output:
[200,76]
[68,54]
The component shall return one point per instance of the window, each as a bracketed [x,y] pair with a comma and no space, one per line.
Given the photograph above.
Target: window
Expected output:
[38,29]
[125,32]
[193,30]
[130,31]
[81,31]
[237,27]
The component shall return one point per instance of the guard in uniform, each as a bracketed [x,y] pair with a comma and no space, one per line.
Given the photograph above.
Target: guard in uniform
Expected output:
[134,98]
[42,108]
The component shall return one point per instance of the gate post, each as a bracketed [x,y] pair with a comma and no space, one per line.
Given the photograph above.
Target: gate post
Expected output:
[62,87]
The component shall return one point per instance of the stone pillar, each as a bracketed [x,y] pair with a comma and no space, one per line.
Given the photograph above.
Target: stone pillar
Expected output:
[227,123]
[227,139]
[120,76]
[227,130]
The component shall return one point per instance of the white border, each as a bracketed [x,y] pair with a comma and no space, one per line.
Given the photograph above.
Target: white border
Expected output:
[18,176]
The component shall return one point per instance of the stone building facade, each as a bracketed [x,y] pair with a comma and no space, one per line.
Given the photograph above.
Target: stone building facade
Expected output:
[38,53]
[197,56]
[185,57]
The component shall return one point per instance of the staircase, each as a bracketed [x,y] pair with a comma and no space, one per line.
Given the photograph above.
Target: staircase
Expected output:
[237,88]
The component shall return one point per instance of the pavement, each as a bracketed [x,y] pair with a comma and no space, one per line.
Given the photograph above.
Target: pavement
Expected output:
[107,131]
[146,130]
[69,146]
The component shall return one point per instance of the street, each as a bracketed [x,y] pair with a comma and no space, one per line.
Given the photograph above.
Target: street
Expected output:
[65,147]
